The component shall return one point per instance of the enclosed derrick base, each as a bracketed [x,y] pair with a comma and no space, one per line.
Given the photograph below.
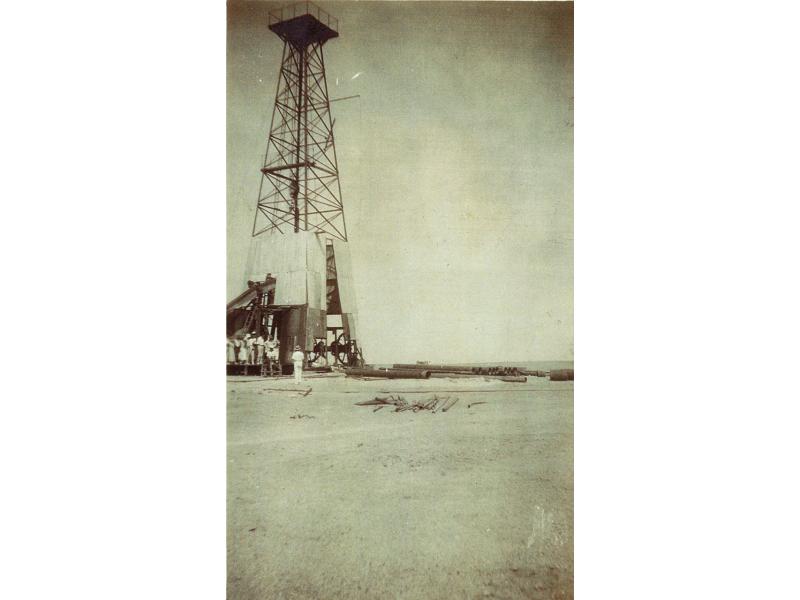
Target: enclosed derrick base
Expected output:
[298,269]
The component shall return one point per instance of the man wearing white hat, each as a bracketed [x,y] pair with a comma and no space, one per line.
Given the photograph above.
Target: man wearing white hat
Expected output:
[297,359]
[249,344]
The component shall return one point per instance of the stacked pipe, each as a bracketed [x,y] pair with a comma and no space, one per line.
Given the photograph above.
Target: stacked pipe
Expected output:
[462,369]
[435,368]
[505,371]
[555,374]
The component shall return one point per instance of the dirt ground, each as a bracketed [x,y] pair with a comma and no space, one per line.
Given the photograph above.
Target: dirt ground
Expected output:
[344,502]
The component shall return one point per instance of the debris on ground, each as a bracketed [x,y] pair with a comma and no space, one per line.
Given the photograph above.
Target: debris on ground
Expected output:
[301,391]
[437,403]
[474,403]
[302,417]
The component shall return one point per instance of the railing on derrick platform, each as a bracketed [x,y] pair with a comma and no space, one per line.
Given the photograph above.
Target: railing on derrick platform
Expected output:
[303,8]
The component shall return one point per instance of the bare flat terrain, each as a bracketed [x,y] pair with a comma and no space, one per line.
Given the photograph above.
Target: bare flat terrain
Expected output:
[344,502]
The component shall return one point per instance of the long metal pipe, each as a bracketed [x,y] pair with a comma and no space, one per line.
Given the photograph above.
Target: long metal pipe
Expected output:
[389,373]
[435,368]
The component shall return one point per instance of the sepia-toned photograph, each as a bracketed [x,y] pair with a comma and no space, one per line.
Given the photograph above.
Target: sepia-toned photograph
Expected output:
[399,325]
[385,195]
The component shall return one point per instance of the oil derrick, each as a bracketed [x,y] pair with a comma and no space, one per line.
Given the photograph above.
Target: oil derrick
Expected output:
[299,283]
[300,188]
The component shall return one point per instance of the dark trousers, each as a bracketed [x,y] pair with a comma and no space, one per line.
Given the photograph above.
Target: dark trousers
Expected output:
[273,365]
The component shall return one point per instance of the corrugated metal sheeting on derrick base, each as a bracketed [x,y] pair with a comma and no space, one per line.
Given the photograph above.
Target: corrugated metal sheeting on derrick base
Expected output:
[299,263]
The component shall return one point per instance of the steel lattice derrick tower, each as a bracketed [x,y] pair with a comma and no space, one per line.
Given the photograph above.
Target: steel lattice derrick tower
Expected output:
[300,188]
[298,271]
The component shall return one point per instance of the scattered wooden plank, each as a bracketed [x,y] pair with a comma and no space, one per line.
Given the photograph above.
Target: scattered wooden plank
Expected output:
[450,404]
[443,403]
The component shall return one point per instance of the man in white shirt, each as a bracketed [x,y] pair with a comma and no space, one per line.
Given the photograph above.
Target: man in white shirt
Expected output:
[297,359]
[259,344]
[239,350]
[273,346]
[249,342]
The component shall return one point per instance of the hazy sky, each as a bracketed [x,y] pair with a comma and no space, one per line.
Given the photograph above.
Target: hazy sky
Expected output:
[455,166]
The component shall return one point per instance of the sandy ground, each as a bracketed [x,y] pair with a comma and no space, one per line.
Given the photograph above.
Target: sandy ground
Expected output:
[349,503]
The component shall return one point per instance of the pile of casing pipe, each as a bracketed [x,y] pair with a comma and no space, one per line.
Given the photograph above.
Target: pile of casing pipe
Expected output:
[390,373]
[462,369]
[562,375]
[496,370]
[530,373]
[435,368]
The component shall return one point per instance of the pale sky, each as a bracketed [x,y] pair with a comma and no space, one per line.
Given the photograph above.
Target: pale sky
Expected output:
[456,168]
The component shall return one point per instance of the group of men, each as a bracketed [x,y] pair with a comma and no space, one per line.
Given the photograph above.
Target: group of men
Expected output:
[251,349]
[258,350]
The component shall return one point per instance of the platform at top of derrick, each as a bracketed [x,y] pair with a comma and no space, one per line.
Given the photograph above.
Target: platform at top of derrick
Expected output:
[303,23]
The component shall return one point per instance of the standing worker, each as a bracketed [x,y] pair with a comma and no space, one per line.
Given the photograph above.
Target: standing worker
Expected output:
[259,344]
[273,354]
[238,349]
[297,359]
[249,341]
[231,351]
